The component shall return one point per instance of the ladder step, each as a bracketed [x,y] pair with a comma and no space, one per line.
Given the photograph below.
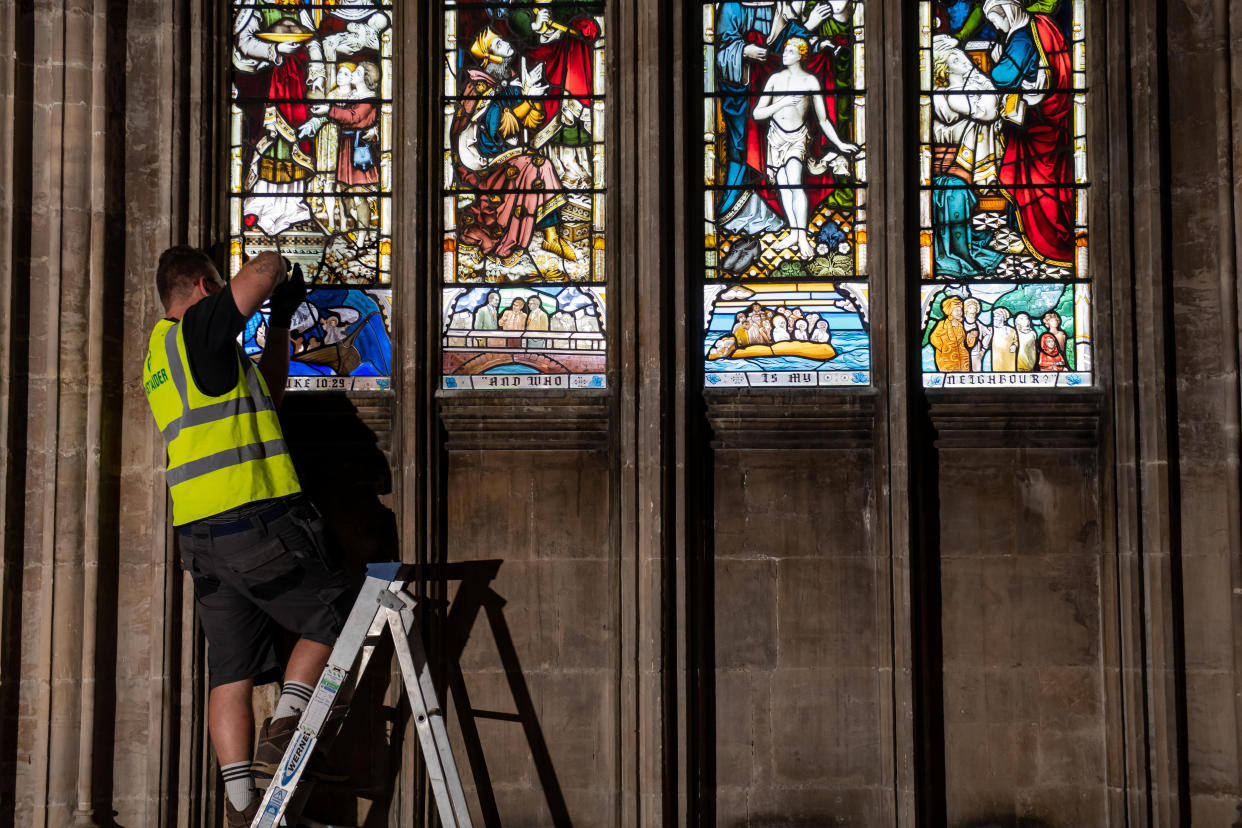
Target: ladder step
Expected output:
[495,714]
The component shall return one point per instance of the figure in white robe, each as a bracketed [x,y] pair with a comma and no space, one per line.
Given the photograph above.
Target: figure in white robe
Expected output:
[969,115]
[1028,343]
[1004,342]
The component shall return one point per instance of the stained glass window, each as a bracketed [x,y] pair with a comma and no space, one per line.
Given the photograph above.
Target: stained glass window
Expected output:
[311,178]
[786,299]
[524,281]
[1006,296]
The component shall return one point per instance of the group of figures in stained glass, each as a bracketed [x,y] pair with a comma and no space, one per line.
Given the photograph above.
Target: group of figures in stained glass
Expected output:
[311,172]
[524,195]
[1006,296]
[335,333]
[786,201]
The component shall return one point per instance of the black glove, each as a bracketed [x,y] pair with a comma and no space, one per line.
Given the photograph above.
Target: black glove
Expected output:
[286,299]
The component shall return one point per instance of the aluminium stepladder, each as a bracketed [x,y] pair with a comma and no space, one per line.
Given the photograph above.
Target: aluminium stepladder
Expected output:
[383,602]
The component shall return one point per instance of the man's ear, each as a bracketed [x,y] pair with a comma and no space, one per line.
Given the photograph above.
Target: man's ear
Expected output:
[206,284]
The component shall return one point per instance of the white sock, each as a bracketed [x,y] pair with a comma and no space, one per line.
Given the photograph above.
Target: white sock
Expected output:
[294,696]
[238,784]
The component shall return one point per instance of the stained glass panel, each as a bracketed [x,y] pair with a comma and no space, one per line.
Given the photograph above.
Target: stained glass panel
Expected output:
[340,340]
[778,333]
[786,296]
[532,336]
[311,176]
[524,188]
[1003,160]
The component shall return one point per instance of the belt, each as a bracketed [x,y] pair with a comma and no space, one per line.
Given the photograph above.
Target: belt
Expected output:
[232,527]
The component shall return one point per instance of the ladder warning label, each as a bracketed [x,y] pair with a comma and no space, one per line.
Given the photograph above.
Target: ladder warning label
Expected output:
[273,809]
[321,703]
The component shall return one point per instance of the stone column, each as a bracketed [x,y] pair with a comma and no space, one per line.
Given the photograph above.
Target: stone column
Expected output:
[14,188]
[1203,50]
[161,773]
[93,104]
[62,271]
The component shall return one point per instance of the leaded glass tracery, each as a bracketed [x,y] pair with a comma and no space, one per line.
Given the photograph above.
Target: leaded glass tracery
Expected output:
[1006,297]
[786,299]
[311,177]
[524,281]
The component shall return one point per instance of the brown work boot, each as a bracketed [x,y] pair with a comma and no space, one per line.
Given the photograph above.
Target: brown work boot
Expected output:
[243,818]
[274,738]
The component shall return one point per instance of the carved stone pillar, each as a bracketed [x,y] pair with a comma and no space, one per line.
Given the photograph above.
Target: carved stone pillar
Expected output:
[56,287]
[95,97]
[1202,348]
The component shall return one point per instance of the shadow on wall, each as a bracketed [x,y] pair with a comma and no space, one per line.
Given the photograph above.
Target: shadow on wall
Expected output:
[344,468]
[791,822]
[365,761]
[825,820]
[450,628]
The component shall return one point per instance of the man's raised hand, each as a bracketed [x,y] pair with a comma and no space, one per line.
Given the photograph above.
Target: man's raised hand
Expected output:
[287,298]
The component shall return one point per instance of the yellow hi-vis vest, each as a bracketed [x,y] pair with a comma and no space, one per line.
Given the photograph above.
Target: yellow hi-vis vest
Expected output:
[223,452]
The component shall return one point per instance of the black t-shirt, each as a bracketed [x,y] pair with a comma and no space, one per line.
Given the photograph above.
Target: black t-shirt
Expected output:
[210,327]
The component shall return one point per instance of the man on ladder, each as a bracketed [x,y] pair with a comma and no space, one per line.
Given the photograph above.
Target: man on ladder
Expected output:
[253,544]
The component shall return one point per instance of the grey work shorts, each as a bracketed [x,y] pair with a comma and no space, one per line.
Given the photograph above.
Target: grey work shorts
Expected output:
[257,569]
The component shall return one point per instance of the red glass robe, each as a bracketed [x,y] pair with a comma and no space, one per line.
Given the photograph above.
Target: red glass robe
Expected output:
[1037,167]
[568,64]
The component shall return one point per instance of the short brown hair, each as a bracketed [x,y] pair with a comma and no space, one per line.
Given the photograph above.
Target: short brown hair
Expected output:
[179,268]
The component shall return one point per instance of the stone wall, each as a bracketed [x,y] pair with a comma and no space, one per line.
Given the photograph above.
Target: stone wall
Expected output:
[802,690]
[1205,42]
[1023,602]
[647,605]
[97,718]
